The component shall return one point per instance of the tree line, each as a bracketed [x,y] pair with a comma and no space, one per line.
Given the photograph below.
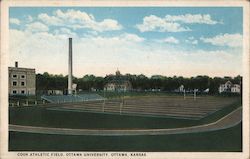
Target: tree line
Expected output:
[140,82]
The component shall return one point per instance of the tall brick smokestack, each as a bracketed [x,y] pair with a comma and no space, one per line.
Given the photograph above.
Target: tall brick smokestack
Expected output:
[70,68]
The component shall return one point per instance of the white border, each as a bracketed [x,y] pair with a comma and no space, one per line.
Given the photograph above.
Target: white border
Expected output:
[5,4]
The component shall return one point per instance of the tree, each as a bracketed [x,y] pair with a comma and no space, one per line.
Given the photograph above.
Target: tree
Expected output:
[48,81]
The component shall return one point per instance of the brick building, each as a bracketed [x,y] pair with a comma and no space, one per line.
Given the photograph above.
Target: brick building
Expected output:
[22,81]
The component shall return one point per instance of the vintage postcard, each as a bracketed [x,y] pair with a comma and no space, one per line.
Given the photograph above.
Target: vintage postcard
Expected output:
[116,79]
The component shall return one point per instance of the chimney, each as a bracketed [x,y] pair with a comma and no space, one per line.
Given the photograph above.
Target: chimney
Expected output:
[70,68]
[16,64]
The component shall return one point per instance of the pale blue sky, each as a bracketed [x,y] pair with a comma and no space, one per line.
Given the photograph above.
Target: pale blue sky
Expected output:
[185,41]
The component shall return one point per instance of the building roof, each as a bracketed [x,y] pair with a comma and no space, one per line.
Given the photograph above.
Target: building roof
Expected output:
[118,79]
[119,82]
[228,82]
[21,69]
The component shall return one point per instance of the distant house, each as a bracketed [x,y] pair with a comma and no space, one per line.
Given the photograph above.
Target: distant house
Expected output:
[118,83]
[235,88]
[181,88]
[225,88]
[229,87]
[206,90]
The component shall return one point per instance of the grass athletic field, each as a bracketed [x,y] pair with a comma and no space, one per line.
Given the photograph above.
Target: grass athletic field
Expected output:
[209,109]
[227,140]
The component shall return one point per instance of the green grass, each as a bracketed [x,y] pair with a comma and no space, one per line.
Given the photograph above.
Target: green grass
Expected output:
[227,140]
[222,140]
[221,113]
[42,117]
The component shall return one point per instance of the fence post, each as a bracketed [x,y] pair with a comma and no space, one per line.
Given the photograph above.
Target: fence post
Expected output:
[35,102]
[103,105]
[194,94]
[17,103]
[184,94]
[121,104]
[27,103]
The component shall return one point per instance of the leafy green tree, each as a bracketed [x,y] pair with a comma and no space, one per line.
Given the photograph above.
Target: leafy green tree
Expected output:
[141,82]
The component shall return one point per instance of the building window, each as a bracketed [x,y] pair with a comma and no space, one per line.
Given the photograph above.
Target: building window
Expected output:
[14,76]
[14,83]
[23,92]
[22,83]
[22,76]
[14,92]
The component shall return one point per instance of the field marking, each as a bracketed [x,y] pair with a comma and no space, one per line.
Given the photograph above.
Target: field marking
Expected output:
[228,121]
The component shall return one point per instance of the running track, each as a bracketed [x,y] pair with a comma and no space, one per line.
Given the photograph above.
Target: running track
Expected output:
[227,121]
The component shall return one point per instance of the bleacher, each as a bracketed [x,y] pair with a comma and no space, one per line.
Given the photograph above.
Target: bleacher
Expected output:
[72,98]
[152,106]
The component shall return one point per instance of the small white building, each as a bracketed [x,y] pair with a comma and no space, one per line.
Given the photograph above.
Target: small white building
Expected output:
[181,88]
[235,88]
[206,90]
[228,87]
[225,87]
[110,87]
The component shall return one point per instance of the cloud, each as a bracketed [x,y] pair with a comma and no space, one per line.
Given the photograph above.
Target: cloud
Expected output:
[50,20]
[36,27]
[14,21]
[191,40]
[171,40]
[154,23]
[195,42]
[65,33]
[29,18]
[43,50]
[191,19]
[230,40]
[113,42]
[100,55]
[174,23]
[107,24]
[74,15]
[131,37]
[78,19]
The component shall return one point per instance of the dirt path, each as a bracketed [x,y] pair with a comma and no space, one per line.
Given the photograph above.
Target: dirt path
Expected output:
[228,121]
